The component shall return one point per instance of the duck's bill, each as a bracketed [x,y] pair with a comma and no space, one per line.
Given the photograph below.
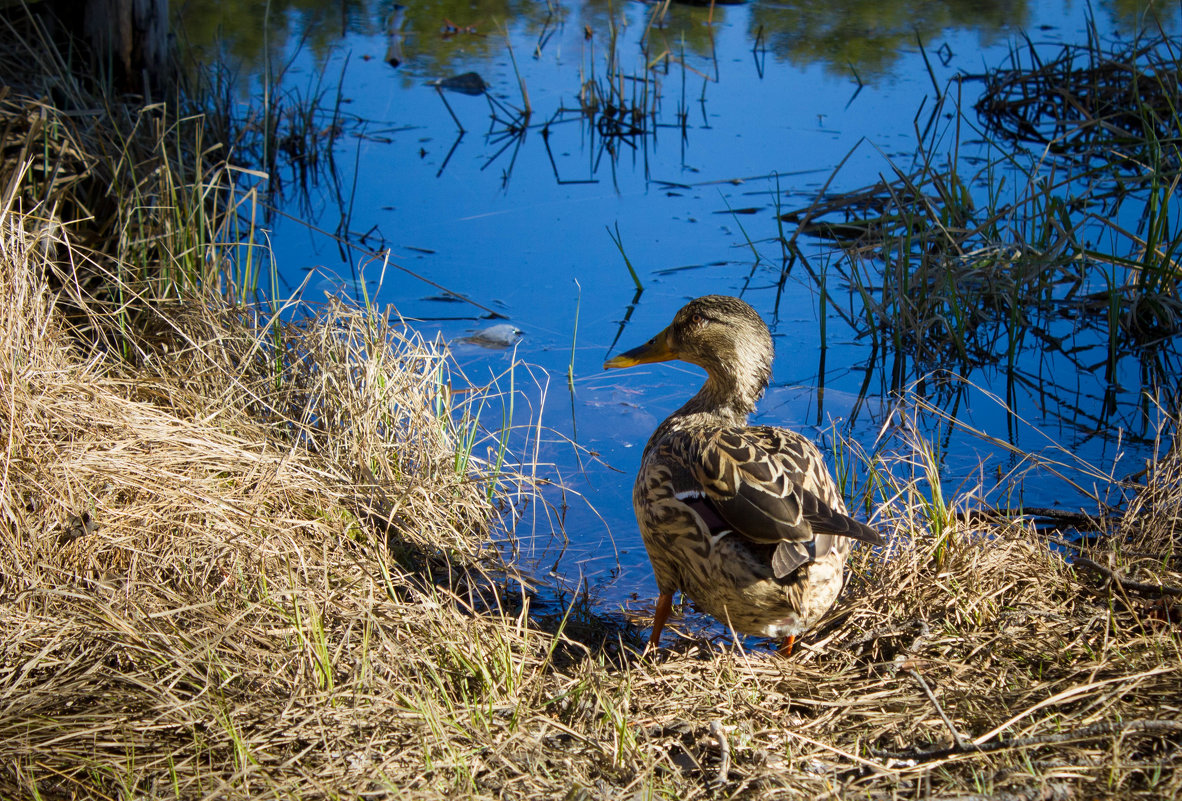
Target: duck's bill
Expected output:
[655,350]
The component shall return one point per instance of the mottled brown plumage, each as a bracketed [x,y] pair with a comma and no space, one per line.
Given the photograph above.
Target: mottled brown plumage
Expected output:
[745,520]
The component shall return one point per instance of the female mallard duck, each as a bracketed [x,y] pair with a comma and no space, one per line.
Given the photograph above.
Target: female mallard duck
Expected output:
[745,520]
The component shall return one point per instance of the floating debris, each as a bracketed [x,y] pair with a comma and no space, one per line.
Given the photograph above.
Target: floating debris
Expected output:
[469,83]
[502,335]
[450,29]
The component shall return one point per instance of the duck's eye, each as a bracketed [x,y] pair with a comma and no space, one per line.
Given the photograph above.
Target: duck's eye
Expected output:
[698,319]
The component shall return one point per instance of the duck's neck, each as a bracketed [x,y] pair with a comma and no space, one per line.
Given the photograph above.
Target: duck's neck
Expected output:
[726,398]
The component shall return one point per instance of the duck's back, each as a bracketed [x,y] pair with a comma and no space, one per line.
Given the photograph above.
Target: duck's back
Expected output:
[693,477]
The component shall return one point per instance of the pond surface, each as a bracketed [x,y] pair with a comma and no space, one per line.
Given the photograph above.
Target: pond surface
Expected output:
[457,207]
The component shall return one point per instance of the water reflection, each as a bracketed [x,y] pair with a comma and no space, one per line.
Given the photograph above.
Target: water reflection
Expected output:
[254,34]
[431,38]
[867,36]
[436,38]
[444,36]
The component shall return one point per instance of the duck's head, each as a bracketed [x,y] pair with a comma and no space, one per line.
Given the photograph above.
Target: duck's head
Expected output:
[722,335]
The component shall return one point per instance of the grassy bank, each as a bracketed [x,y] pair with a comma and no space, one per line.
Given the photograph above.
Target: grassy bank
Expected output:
[220,584]
[240,560]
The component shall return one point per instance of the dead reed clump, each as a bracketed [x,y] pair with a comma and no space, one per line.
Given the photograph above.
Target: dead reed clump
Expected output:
[147,195]
[1138,565]
[1087,99]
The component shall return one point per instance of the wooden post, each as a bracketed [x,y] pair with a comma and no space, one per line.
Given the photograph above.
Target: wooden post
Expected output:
[130,35]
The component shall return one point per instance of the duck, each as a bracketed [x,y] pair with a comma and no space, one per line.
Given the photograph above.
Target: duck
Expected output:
[746,521]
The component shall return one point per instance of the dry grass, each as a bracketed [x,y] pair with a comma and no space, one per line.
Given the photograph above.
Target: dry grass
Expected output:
[198,544]
[226,579]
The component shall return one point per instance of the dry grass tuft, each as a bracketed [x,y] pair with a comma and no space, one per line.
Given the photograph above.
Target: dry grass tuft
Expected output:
[1153,522]
[251,529]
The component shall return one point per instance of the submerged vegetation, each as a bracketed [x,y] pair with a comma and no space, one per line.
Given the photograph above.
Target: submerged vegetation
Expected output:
[245,552]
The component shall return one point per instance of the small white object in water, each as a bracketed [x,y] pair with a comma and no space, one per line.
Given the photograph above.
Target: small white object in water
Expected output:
[502,335]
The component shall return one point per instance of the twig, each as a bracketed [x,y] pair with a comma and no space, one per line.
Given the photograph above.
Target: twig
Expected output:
[960,743]
[724,748]
[1085,733]
[1055,519]
[1055,791]
[1158,590]
[866,763]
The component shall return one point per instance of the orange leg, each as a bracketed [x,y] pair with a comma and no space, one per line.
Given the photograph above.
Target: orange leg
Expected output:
[664,605]
[786,646]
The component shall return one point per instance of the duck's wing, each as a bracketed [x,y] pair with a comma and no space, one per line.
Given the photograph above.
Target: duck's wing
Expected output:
[771,486]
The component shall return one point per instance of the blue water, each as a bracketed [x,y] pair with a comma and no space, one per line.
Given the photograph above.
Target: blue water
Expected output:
[747,122]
